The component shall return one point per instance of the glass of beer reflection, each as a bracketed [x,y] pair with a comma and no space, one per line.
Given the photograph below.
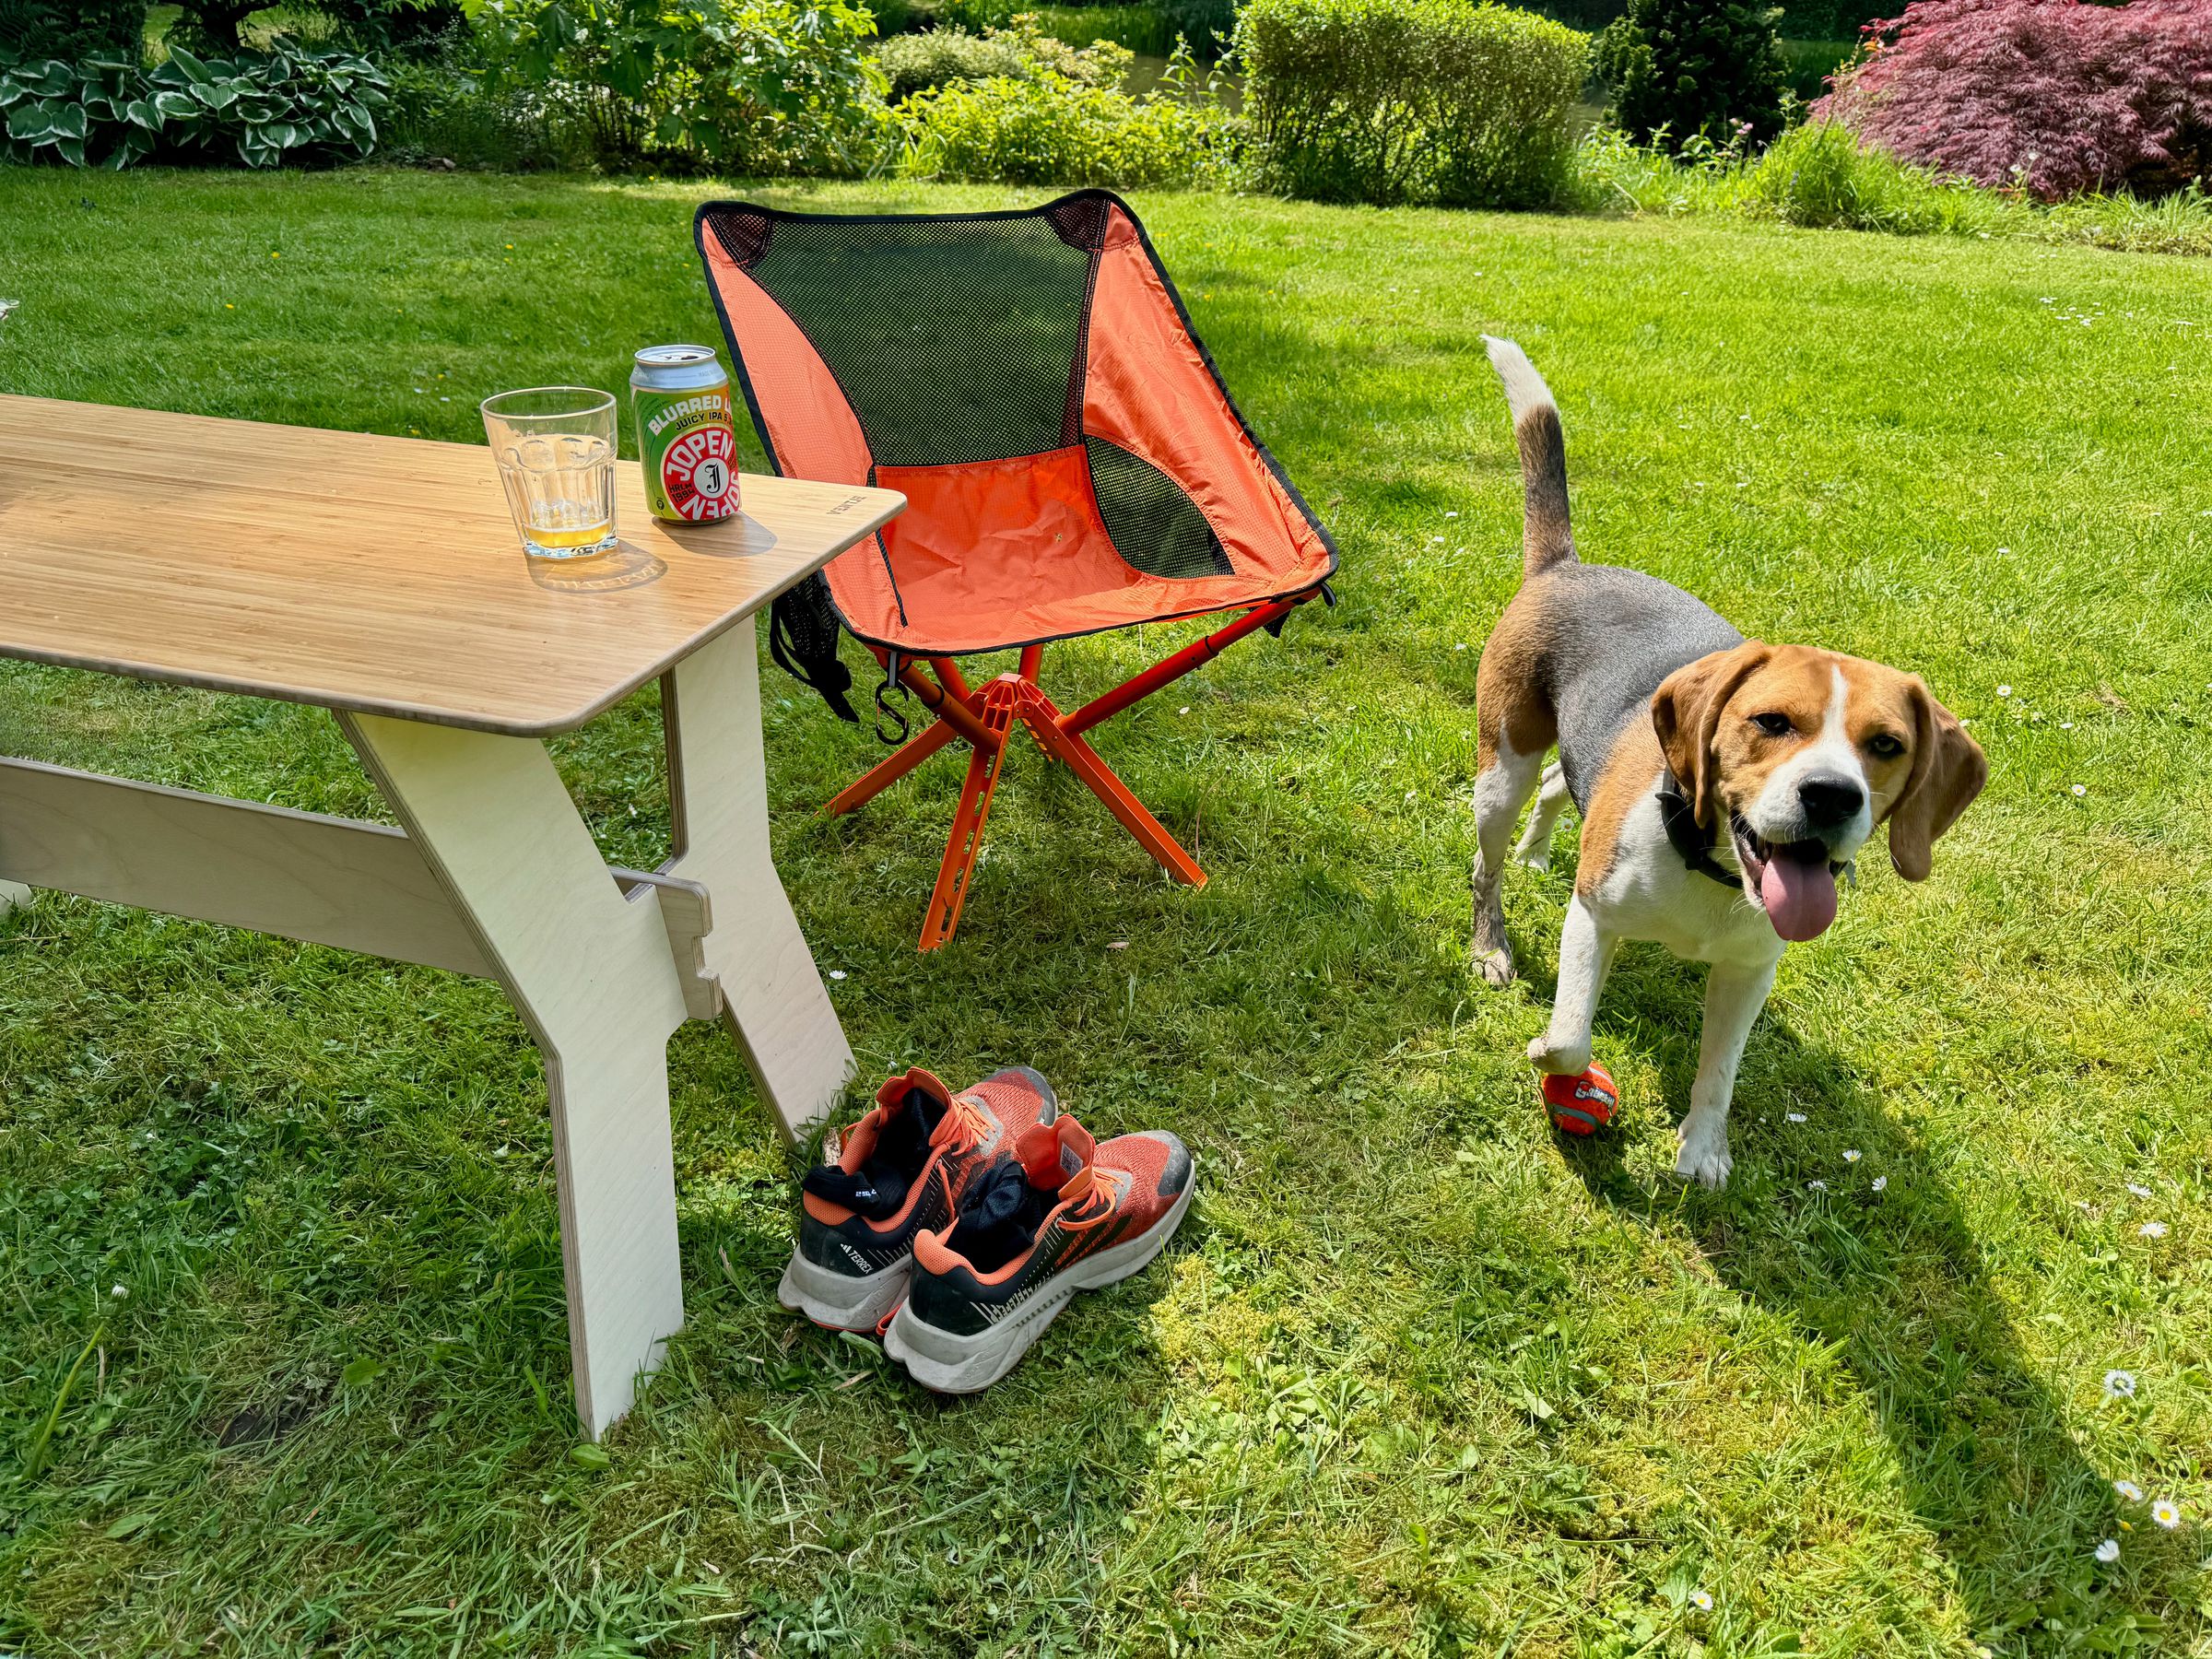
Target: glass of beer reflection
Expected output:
[554,446]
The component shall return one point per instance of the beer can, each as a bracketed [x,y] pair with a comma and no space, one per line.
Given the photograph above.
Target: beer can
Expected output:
[686,445]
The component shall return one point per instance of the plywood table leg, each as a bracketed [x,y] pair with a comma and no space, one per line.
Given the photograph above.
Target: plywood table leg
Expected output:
[591,974]
[772,993]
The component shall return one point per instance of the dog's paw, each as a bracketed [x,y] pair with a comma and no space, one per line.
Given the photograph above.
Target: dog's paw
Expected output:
[1535,858]
[1565,1060]
[1496,966]
[1704,1156]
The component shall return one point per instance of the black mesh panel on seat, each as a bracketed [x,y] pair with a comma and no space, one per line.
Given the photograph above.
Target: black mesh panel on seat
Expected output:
[954,341]
[1155,525]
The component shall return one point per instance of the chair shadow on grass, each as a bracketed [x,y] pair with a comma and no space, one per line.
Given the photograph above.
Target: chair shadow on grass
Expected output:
[1892,1280]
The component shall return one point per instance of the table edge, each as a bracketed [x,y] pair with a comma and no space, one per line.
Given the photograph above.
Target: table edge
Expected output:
[393,709]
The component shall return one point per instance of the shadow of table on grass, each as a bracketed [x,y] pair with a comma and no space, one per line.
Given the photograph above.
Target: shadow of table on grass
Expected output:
[1893,1280]
[854,1511]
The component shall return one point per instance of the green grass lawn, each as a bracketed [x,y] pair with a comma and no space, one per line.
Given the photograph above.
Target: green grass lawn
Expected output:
[1417,1375]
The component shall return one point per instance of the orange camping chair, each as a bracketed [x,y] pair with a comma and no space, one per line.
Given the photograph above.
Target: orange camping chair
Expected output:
[1071,461]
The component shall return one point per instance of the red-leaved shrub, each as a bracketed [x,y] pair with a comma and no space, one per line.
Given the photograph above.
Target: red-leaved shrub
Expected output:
[2052,94]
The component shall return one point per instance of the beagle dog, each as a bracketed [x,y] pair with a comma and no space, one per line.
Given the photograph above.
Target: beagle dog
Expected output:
[1723,784]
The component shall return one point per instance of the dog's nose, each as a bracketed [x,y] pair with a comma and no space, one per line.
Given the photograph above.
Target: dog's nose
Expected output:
[1829,800]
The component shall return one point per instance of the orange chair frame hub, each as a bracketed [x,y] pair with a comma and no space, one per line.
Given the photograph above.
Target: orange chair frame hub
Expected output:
[1071,458]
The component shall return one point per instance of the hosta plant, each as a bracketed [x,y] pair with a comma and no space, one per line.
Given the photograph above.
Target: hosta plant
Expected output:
[264,109]
[2050,97]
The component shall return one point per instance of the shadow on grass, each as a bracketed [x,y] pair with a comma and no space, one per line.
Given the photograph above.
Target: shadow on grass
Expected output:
[1894,1282]
[814,1472]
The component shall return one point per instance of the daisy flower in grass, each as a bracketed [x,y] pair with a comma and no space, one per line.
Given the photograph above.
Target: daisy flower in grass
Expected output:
[2129,1490]
[2152,1229]
[1880,1181]
[2167,1513]
[1816,1186]
[1797,1117]
[1702,1600]
[2119,1385]
[2140,1192]
[2109,1551]
[1851,1155]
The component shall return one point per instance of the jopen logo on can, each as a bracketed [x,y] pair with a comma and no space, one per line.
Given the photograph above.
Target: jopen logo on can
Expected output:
[697,471]
[687,447]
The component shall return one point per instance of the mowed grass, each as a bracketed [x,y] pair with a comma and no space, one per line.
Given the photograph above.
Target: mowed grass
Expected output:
[1417,1376]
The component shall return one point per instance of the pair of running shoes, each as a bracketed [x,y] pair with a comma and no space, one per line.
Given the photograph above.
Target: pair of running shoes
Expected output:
[959,1226]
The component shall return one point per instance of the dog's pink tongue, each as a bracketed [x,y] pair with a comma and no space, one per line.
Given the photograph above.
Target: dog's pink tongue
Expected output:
[1800,898]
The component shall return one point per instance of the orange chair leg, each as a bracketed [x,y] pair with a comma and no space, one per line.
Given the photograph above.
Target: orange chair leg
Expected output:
[892,767]
[951,892]
[984,720]
[1043,721]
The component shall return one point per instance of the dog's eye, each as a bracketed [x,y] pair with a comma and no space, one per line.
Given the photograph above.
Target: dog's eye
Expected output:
[1773,725]
[1885,745]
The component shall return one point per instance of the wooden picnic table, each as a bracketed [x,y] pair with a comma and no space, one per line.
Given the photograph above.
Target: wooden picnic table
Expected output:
[381,578]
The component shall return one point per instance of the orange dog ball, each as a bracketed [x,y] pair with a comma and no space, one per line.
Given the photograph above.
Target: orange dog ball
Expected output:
[1583,1104]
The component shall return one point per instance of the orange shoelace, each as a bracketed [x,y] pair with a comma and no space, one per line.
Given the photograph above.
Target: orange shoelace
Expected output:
[965,1128]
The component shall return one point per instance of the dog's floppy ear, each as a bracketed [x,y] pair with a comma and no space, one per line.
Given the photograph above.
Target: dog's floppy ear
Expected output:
[1948,770]
[1686,711]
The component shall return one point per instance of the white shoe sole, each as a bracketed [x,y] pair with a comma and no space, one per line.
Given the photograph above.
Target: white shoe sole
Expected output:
[840,1301]
[948,1362]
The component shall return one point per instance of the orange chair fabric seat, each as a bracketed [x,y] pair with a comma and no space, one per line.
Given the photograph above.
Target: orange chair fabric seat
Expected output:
[1030,381]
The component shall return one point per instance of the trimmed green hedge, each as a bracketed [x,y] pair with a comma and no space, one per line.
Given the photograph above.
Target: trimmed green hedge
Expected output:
[1410,101]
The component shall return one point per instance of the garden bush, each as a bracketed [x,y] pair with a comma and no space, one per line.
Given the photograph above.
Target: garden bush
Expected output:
[289,104]
[223,27]
[1820,176]
[1685,68]
[1054,129]
[69,30]
[2050,96]
[941,57]
[756,86]
[440,109]
[1409,101]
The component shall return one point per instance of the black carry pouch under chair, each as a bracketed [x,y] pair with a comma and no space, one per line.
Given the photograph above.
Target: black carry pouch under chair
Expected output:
[801,637]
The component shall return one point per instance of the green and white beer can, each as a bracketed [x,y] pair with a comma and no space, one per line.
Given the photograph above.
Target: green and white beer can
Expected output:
[686,445]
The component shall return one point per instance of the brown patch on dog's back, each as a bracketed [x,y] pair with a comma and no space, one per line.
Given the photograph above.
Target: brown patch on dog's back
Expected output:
[1508,695]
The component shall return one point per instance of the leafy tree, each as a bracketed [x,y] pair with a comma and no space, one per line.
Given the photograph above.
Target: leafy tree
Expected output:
[746,86]
[2050,97]
[1684,69]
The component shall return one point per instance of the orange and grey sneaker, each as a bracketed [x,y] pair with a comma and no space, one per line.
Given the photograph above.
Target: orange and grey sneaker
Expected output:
[1063,1214]
[902,1167]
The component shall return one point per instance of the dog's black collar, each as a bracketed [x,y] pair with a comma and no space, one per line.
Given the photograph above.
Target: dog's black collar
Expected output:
[1694,843]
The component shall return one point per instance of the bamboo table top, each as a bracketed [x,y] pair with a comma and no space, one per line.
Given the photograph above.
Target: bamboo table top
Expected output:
[381,575]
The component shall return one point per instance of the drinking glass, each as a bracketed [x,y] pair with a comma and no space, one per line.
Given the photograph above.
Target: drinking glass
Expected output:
[554,446]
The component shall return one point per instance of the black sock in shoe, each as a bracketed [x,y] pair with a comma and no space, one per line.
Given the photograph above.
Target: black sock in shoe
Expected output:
[1000,1214]
[877,1190]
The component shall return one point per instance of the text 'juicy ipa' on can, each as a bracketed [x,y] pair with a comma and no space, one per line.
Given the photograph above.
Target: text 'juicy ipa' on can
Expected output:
[686,443]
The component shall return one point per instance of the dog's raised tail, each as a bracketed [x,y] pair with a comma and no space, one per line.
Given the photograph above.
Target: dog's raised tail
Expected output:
[1546,539]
